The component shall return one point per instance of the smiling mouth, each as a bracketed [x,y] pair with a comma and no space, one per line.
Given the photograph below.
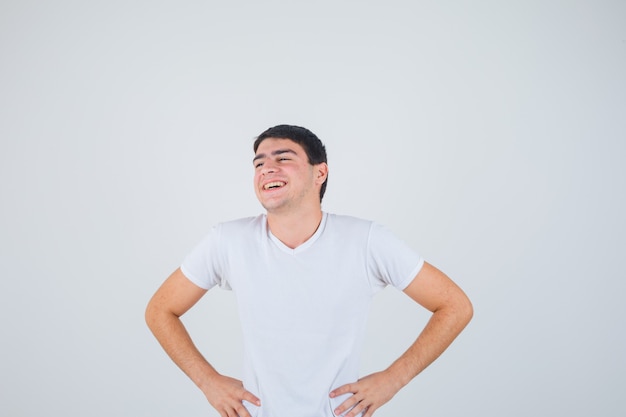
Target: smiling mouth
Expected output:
[273,185]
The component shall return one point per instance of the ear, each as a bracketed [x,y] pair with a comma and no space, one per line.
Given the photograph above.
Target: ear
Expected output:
[321,172]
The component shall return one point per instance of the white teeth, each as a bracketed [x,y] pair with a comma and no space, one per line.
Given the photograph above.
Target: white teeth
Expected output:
[273,185]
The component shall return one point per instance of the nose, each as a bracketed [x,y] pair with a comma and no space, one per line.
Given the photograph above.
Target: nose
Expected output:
[269,167]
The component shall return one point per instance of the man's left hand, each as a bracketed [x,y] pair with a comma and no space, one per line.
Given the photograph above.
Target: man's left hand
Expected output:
[368,394]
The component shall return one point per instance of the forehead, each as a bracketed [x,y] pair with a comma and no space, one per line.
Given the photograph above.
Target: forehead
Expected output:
[269,145]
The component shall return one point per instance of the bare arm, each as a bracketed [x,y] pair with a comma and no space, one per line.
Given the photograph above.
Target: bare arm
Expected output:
[172,300]
[451,310]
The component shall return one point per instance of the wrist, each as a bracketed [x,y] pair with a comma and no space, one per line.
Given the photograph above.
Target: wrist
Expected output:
[207,378]
[399,375]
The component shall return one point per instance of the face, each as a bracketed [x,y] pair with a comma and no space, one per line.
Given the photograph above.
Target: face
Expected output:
[283,178]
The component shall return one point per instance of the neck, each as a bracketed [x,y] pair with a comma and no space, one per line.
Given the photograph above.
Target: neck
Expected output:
[295,228]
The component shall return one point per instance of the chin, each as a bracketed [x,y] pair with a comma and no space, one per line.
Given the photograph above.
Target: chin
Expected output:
[273,206]
[270,205]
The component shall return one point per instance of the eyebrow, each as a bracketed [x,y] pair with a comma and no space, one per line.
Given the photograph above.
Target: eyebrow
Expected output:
[274,153]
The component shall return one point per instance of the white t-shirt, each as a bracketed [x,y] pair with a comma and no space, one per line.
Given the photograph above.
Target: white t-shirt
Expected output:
[303,311]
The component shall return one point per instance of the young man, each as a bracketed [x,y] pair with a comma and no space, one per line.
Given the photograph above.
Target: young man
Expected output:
[303,280]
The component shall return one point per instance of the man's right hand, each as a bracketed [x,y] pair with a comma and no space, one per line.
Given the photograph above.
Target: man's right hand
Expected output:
[227,394]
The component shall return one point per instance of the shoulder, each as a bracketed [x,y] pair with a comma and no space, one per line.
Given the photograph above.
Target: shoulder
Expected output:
[355,226]
[348,225]
[243,223]
[238,229]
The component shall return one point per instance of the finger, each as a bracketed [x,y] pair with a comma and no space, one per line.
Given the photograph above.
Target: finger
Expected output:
[251,398]
[346,405]
[366,412]
[357,410]
[242,411]
[231,413]
[369,411]
[344,389]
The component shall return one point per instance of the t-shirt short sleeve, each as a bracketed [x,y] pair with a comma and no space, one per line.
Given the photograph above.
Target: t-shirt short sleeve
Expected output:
[390,260]
[203,265]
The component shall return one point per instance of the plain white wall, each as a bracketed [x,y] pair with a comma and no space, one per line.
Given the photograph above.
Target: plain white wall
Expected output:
[489,135]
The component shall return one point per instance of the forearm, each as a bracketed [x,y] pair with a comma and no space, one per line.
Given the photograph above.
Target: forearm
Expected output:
[175,340]
[172,300]
[443,327]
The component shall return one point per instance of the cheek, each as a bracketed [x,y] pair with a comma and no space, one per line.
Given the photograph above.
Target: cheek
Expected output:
[255,182]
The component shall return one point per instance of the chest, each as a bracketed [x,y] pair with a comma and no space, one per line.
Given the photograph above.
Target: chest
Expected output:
[313,289]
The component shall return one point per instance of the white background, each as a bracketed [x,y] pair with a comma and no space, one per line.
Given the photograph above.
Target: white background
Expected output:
[490,135]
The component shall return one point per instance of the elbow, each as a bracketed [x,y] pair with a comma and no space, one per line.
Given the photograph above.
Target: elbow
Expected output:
[157,315]
[148,316]
[459,310]
[466,310]
[151,314]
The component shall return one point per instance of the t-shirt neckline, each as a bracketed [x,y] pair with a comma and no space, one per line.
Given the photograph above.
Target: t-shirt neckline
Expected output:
[305,245]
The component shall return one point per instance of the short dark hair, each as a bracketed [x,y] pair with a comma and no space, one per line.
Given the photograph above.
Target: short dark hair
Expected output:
[312,145]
